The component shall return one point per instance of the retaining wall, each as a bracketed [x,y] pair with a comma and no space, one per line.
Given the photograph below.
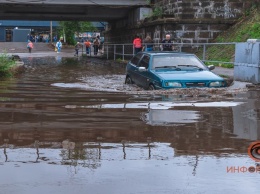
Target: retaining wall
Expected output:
[188,21]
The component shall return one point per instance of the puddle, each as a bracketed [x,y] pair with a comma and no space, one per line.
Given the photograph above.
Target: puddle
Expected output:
[158,105]
[63,130]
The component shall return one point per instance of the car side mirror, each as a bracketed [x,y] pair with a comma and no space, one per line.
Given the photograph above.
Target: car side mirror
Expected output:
[141,69]
[211,67]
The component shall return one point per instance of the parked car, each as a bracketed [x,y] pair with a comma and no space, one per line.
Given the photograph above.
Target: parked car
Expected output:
[165,70]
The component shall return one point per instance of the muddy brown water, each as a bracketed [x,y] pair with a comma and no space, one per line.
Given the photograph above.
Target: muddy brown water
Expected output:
[69,126]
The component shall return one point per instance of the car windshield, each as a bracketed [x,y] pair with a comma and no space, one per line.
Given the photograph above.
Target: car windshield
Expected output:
[182,62]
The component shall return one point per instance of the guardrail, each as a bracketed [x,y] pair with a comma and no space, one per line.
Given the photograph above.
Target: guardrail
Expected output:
[207,52]
[222,53]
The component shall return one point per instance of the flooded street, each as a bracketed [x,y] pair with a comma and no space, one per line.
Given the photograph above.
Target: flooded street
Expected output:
[69,126]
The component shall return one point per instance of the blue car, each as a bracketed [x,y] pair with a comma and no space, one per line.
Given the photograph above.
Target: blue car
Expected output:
[166,70]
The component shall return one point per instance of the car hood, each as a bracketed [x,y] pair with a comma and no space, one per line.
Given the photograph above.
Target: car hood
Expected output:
[188,75]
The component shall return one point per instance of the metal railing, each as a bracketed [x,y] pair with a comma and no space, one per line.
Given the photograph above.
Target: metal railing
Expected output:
[208,52]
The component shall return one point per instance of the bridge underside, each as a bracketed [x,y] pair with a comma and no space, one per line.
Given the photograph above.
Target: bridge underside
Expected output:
[62,10]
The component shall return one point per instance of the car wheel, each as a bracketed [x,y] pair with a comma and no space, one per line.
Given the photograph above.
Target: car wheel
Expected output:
[128,80]
[151,87]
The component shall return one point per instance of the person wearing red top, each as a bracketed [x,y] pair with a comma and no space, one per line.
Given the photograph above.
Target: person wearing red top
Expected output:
[88,46]
[30,46]
[137,43]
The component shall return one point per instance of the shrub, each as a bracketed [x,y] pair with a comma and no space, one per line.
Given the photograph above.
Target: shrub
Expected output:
[6,63]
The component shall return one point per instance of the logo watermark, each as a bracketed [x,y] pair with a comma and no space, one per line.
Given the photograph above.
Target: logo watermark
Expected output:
[243,169]
[254,151]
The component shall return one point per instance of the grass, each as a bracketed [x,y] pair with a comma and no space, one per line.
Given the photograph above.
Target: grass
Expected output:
[248,27]
[119,60]
[224,76]
[225,65]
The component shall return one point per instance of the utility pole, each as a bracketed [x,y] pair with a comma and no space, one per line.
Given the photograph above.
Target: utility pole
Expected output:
[64,35]
[51,31]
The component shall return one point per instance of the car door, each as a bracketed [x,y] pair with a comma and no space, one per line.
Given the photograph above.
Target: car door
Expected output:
[143,79]
[132,68]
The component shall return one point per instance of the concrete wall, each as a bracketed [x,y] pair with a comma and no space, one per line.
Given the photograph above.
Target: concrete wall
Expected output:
[203,9]
[188,21]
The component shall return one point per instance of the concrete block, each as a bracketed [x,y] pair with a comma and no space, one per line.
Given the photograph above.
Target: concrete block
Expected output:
[247,62]
[190,34]
[202,34]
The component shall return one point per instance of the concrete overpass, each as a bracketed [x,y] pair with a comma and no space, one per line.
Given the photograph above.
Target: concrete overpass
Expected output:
[61,10]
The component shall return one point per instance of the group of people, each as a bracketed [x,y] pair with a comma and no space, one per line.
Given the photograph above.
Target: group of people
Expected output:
[148,44]
[58,46]
[96,45]
[39,38]
[78,46]
[138,44]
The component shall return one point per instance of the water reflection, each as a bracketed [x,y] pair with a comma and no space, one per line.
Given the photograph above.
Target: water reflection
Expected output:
[86,154]
[170,117]
[191,139]
[247,118]
[23,124]
[47,61]
[158,105]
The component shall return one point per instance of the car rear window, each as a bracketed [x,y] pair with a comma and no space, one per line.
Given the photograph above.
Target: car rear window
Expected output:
[145,61]
[136,59]
[175,60]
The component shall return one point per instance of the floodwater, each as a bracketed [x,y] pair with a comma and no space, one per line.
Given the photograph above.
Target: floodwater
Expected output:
[69,126]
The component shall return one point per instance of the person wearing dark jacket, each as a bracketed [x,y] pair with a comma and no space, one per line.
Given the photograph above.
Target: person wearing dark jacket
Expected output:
[96,44]
[167,43]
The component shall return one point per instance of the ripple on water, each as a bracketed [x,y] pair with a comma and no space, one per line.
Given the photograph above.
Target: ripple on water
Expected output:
[115,83]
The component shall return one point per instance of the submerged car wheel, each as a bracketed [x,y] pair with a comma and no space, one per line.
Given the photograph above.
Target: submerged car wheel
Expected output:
[128,80]
[151,87]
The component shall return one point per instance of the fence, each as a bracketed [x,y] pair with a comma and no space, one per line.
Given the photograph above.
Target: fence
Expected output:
[207,52]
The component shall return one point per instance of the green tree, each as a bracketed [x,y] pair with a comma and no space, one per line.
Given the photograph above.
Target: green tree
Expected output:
[70,28]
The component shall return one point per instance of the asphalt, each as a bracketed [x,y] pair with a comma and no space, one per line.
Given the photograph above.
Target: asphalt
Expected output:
[227,72]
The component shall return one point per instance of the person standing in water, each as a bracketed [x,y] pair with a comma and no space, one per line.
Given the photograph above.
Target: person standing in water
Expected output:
[30,46]
[58,46]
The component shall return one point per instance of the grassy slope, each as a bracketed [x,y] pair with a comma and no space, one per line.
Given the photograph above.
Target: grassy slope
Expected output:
[247,27]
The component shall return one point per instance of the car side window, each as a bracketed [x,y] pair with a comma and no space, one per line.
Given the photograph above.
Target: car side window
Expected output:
[145,61]
[136,59]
